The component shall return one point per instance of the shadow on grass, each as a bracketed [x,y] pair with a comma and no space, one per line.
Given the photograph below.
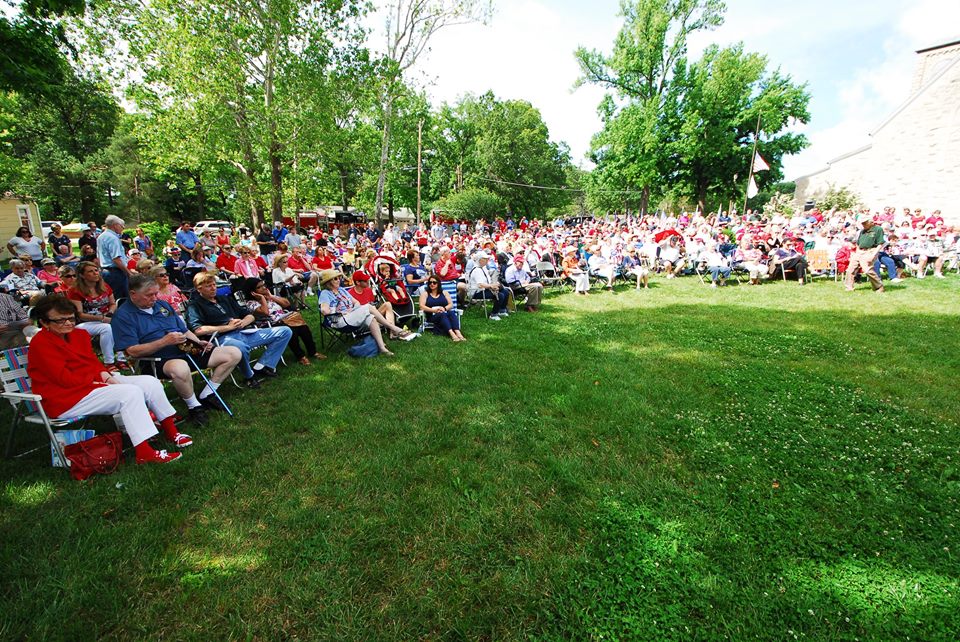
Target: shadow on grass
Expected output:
[677,471]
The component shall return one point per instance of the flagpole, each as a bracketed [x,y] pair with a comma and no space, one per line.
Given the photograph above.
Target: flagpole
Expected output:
[753,160]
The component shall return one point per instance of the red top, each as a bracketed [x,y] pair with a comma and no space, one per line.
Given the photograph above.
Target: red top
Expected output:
[322,262]
[296,264]
[447,269]
[227,261]
[63,370]
[364,298]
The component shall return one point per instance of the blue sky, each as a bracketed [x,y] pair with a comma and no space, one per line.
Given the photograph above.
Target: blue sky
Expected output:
[857,58]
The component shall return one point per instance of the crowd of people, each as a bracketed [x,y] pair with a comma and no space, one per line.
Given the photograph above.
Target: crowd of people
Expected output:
[207,301]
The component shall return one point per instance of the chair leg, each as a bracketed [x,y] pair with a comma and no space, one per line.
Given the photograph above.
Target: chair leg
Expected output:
[13,428]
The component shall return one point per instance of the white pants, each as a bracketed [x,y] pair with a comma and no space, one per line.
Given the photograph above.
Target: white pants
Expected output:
[130,399]
[581,281]
[105,332]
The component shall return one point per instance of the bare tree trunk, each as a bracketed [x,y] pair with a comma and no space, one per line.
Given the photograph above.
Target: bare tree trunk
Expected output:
[344,199]
[201,197]
[384,156]
[276,184]
[644,200]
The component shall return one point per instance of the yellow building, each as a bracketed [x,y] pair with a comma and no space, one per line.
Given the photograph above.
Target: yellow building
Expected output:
[17,211]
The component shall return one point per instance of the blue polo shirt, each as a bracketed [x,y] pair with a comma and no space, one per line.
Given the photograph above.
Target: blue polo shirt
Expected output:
[188,240]
[132,326]
[109,247]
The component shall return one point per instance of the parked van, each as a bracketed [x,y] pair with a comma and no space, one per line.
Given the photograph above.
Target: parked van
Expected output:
[213,227]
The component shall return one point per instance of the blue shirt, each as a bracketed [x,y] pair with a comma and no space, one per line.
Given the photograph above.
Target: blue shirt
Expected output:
[187,239]
[132,326]
[109,247]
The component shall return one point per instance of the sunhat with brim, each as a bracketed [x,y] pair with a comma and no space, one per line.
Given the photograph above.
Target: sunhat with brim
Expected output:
[329,275]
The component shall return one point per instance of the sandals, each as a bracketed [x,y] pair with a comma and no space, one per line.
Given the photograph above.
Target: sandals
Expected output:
[319,356]
[304,361]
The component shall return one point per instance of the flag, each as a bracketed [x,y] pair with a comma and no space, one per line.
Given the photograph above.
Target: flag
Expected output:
[760,165]
[752,188]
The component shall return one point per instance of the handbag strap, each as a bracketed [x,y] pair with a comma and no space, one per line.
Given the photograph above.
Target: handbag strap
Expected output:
[97,462]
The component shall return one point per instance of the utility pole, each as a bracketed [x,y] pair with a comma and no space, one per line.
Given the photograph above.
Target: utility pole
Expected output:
[419,163]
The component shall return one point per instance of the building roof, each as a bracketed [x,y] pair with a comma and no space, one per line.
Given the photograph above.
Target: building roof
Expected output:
[939,46]
[911,99]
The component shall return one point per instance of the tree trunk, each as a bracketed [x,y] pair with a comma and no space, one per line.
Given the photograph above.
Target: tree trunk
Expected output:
[201,197]
[644,200]
[344,198]
[276,184]
[384,156]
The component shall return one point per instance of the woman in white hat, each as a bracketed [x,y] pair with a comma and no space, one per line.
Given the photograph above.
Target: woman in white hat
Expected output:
[572,270]
[345,312]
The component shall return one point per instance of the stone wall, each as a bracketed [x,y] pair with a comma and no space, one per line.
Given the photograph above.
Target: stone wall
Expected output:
[914,159]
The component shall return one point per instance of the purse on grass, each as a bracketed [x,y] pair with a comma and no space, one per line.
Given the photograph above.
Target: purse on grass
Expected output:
[99,455]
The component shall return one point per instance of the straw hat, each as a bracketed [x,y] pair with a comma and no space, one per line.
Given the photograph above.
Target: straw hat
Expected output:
[329,275]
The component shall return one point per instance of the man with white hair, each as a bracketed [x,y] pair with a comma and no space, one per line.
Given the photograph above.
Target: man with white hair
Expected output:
[113,259]
[483,286]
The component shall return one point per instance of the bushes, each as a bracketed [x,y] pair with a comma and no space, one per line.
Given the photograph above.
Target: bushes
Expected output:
[472,203]
[837,198]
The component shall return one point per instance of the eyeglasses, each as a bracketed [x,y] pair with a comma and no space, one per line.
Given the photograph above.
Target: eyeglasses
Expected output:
[62,321]
[69,276]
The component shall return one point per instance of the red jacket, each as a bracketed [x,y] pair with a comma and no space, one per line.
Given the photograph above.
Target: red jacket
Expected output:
[62,370]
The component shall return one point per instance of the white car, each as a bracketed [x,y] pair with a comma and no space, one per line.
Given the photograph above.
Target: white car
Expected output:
[213,227]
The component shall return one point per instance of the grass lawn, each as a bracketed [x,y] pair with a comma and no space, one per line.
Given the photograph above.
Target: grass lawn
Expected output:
[679,463]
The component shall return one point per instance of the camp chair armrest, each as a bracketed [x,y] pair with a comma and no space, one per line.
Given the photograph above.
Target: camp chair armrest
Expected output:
[22,396]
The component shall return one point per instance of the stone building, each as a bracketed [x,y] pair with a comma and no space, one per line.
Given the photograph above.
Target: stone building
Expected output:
[913,159]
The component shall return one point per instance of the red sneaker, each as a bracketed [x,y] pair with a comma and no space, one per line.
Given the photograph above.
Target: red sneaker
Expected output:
[182,441]
[158,457]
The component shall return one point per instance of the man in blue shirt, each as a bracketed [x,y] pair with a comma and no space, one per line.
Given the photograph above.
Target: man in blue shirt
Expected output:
[113,259]
[187,239]
[279,232]
[144,327]
[208,313]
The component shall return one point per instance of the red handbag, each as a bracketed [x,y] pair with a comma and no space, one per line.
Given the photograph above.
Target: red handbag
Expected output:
[101,454]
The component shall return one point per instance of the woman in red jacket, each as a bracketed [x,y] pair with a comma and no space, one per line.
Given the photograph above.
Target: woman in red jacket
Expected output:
[72,382]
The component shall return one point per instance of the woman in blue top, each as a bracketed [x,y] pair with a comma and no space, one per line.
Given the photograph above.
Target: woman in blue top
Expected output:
[344,311]
[439,309]
[414,274]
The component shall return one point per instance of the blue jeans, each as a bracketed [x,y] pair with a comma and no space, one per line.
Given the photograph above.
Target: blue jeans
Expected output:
[275,339]
[717,270]
[499,299]
[886,261]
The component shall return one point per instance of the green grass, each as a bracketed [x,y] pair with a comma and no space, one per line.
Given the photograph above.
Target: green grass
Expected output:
[681,463]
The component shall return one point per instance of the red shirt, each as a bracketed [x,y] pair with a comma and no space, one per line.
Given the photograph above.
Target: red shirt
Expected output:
[95,304]
[447,270]
[62,370]
[363,298]
[322,262]
[227,261]
[296,264]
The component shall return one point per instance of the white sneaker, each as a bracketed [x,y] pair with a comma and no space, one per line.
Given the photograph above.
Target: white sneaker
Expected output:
[939,276]
[494,317]
[713,285]
[896,280]
[504,314]
[922,275]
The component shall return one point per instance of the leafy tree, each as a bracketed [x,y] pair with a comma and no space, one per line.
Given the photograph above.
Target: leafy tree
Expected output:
[410,26]
[837,198]
[228,80]
[653,38]
[721,99]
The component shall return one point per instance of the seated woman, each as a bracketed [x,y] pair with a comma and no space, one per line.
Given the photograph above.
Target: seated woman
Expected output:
[247,266]
[266,305]
[284,276]
[336,302]
[439,310]
[22,280]
[68,279]
[49,274]
[95,306]
[635,265]
[365,295]
[573,271]
[414,274]
[72,382]
[598,265]
[169,293]
[198,259]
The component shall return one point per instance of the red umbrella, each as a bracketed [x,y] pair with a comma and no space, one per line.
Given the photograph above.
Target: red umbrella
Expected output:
[664,234]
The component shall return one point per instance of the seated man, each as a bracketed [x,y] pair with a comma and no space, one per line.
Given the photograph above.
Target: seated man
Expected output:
[718,265]
[22,280]
[209,314]
[14,322]
[783,259]
[146,327]
[483,286]
[598,265]
[519,280]
[671,257]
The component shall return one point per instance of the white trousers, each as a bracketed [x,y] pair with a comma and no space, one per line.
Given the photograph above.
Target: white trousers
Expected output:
[130,399]
[105,332]
[581,282]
